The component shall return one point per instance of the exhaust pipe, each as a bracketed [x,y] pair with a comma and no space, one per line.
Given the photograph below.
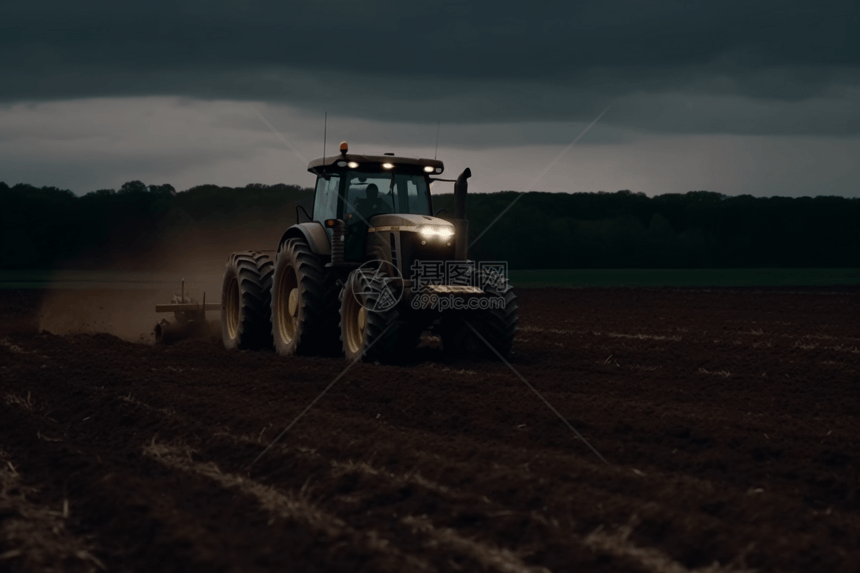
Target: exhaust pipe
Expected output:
[460,222]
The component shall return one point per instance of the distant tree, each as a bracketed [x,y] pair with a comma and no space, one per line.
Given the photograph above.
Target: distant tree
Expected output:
[660,227]
[165,189]
[132,187]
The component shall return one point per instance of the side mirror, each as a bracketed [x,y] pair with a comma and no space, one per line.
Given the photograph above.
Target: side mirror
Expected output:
[436,214]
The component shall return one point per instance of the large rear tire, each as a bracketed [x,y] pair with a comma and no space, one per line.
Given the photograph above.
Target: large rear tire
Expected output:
[370,326]
[245,292]
[303,303]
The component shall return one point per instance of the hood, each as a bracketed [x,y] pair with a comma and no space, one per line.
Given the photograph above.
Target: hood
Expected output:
[406,220]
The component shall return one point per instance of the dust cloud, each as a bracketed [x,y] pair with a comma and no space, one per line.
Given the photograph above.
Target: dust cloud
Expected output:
[115,291]
[128,314]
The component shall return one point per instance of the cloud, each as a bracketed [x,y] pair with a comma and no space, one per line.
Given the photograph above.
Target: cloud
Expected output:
[734,96]
[744,67]
[448,38]
[90,144]
[102,143]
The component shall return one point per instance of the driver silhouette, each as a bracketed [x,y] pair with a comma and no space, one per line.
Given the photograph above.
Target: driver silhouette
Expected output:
[372,204]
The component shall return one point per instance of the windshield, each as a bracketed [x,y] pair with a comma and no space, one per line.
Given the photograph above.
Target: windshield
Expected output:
[369,194]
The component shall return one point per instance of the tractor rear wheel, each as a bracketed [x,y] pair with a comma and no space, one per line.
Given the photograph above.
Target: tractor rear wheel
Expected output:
[304,302]
[245,323]
[371,325]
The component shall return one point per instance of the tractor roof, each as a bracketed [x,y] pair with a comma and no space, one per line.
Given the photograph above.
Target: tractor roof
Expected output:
[375,162]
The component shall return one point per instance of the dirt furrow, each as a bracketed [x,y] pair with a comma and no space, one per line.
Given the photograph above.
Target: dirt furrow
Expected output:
[35,536]
[730,419]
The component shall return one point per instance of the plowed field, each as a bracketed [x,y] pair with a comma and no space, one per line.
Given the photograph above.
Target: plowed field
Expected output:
[729,421]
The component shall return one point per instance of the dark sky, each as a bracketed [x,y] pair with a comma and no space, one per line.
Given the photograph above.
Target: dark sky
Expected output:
[736,97]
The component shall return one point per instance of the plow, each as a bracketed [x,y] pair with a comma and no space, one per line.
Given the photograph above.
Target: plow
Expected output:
[189,318]
[370,271]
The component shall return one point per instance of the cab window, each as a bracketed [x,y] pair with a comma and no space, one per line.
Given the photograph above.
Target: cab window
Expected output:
[325,198]
[412,189]
[369,194]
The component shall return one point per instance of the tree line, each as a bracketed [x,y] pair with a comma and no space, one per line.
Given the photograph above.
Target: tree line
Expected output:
[699,229]
[44,227]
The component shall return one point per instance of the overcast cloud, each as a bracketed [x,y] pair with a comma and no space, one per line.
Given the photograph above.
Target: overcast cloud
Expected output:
[737,97]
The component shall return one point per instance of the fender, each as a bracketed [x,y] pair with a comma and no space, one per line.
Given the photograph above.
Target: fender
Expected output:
[315,235]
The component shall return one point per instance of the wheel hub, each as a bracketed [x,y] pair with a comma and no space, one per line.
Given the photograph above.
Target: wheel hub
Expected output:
[294,302]
[287,304]
[354,321]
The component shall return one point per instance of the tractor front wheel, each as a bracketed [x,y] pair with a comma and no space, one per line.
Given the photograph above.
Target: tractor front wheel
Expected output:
[490,332]
[499,324]
[371,325]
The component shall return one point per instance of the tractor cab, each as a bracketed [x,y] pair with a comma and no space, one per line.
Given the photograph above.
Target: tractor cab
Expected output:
[369,193]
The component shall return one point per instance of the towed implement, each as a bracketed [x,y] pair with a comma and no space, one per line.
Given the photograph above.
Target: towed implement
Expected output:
[189,318]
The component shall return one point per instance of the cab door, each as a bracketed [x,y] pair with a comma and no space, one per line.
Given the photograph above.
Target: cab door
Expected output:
[356,233]
[326,200]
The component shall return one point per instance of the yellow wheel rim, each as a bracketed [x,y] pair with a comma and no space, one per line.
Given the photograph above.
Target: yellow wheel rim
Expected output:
[355,320]
[234,303]
[287,302]
[294,302]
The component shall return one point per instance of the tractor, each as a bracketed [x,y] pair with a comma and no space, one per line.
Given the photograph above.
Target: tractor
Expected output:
[369,270]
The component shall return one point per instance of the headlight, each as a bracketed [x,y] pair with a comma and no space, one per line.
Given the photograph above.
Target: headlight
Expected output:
[429,231]
[353,164]
[428,169]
